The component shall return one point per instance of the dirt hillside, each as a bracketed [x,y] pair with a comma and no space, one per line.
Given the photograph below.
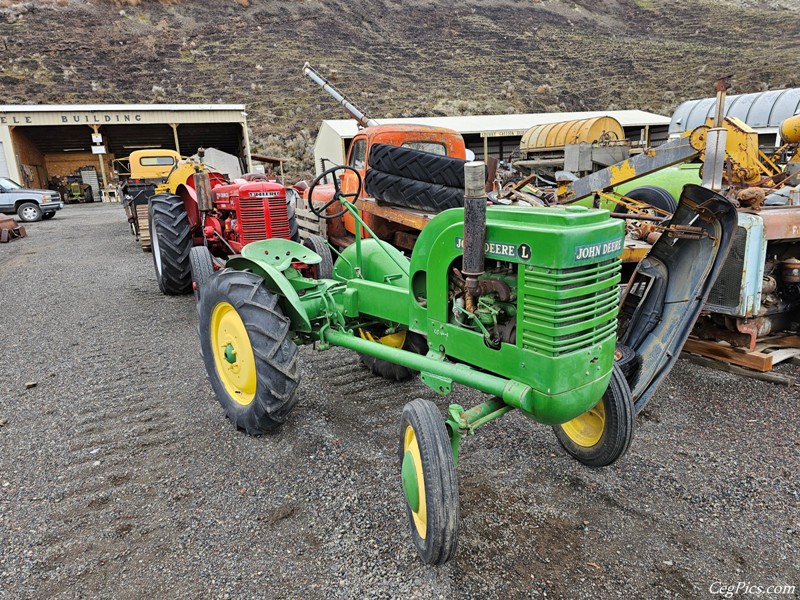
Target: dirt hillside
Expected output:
[409,58]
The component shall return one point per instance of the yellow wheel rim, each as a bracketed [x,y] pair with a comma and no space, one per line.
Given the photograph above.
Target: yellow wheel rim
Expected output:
[395,340]
[587,429]
[233,354]
[421,515]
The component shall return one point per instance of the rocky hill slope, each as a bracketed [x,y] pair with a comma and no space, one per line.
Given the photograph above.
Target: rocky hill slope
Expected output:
[409,58]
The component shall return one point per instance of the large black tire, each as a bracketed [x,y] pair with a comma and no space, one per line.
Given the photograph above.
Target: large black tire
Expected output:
[628,361]
[418,165]
[247,348]
[392,371]
[294,226]
[171,242]
[324,269]
[654,196]
[202,268]
[29,212]
[603,434]
[409,193]
[432,504]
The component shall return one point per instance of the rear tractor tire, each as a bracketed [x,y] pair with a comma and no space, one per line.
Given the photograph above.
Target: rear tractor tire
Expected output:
[171,242]
[603,434]
[247,349]
[430,486]
[407,340]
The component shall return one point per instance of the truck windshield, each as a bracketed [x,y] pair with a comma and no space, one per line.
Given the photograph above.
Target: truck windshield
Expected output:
[156,161]
[8,184]
[431,147]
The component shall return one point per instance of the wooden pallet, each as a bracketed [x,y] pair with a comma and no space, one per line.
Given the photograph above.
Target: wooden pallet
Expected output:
[310,223]
[144,227]
[757,363]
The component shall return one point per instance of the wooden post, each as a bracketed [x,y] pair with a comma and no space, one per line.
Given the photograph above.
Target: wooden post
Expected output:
[102,158]
[175,136]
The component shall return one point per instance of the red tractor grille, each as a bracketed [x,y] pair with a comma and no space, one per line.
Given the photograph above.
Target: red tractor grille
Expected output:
[263,218]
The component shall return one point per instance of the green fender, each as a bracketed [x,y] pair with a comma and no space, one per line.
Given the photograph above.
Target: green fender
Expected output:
[380,263]
[269,259]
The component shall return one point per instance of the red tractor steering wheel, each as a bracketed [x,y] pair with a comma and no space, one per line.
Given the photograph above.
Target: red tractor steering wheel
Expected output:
[338,194]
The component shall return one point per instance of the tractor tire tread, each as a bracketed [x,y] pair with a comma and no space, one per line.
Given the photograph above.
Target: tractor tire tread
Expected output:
[620,425]
[169,221]
[410,193]
[417,165]
[275,353]
[441,483]
[323,269]
[202,266]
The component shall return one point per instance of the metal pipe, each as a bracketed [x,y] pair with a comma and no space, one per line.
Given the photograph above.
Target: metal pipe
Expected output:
[510,391]
[474,224]
[355,112]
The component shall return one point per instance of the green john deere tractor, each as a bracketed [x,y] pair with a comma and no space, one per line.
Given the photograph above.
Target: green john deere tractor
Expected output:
[519,303]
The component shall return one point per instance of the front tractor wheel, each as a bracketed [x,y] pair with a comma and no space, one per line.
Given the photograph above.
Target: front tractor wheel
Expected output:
[247,348]
[324,268]
[202,268]
[430,486]
[602,435]
[171,242]
[407,340]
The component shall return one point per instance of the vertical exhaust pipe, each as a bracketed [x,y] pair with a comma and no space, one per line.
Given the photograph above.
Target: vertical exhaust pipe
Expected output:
[474,224]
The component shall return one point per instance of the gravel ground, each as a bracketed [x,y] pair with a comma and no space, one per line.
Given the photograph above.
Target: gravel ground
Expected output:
[121,478]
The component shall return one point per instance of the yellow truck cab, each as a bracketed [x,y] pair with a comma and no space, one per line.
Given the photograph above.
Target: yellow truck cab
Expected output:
[154,165]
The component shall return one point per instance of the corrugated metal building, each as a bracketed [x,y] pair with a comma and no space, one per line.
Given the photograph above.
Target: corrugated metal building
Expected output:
[39,142]
[763,111]
[495,135]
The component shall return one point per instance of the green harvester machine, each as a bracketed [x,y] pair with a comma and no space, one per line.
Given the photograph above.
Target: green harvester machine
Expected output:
[519,303]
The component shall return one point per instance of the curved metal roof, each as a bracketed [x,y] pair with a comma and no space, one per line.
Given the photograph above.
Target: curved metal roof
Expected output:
[759,110]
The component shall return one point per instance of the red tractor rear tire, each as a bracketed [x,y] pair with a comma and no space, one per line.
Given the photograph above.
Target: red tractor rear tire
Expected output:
[171,242]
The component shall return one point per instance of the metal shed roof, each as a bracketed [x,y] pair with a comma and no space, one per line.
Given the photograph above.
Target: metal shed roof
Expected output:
[759,110]
[11,108]
[497,124]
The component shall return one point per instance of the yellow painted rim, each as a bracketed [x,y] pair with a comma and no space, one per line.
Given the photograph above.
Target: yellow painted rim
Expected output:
[421,516]
[229,340]
[395,340]
[587,429]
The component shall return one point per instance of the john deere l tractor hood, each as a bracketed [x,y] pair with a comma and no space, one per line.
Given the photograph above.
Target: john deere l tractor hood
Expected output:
[670,285]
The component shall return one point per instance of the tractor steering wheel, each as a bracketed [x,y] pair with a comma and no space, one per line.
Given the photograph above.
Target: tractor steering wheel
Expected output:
[338,195]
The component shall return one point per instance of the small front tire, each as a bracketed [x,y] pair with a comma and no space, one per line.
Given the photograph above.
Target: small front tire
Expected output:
[430,486]
[202,268]
[602,435]
[324,268]
[48,216]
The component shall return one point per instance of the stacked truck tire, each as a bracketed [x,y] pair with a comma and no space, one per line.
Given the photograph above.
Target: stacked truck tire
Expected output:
[414,179]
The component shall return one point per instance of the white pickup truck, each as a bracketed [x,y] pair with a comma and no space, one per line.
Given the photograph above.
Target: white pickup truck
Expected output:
[29,205]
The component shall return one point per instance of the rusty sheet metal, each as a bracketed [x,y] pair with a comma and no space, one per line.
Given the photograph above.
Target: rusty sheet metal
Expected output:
[780,222]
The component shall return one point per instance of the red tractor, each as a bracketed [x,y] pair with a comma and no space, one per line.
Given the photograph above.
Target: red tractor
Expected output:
[204,219]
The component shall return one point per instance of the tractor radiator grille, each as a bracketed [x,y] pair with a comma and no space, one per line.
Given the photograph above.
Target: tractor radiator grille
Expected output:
[565,310]
[262,218]
[727,290]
